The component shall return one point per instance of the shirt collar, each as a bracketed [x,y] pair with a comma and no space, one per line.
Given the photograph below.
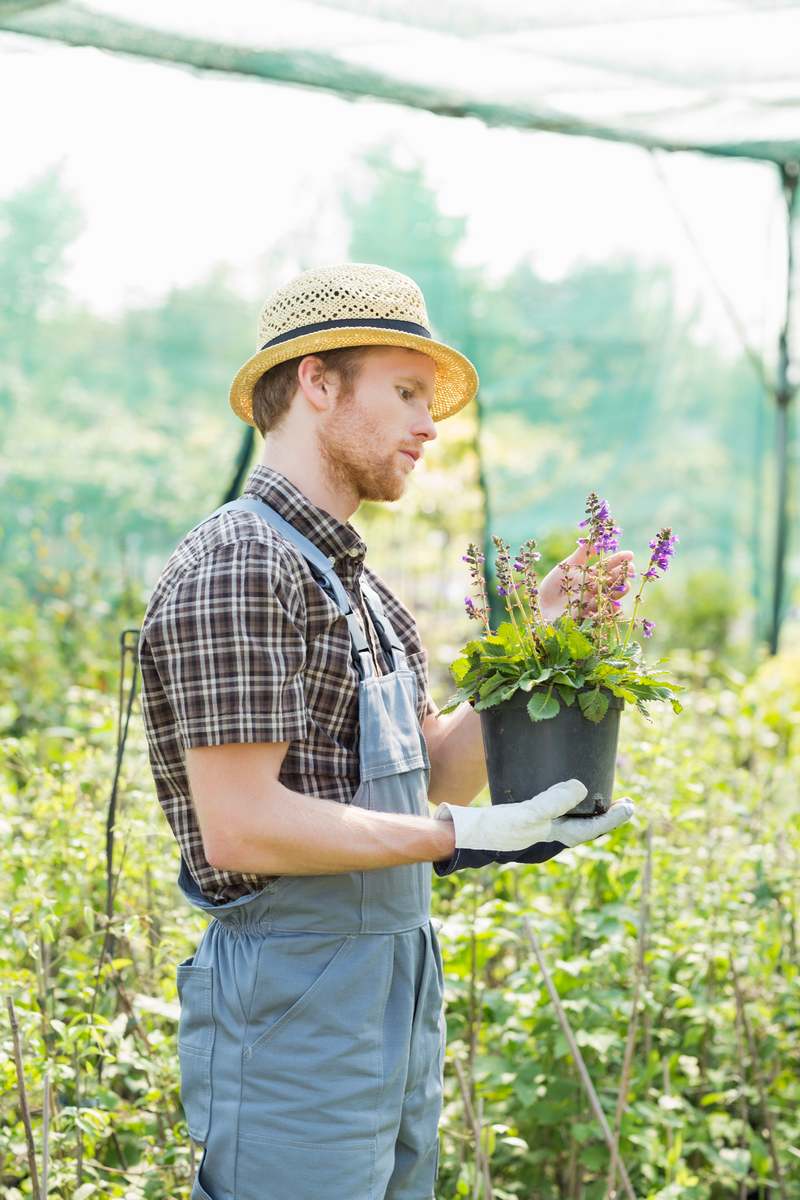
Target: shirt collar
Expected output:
[334,538]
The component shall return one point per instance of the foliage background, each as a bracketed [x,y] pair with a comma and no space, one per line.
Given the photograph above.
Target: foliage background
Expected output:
[109,441]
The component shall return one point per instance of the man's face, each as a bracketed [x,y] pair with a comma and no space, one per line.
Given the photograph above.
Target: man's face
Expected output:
[363,439]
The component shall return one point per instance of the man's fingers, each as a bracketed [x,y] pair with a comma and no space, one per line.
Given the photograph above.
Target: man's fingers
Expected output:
[585,829]
[558,799]
[617,815]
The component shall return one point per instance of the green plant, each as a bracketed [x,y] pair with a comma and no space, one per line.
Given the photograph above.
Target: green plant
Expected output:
[575,652]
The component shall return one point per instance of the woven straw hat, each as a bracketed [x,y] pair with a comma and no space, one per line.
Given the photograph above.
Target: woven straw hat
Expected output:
[351,304]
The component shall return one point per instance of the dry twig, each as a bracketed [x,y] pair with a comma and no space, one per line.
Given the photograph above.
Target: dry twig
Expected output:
[578,1057]
[641,946]
[769,1124]
[23,1101]
[481,1161]
[46,1133]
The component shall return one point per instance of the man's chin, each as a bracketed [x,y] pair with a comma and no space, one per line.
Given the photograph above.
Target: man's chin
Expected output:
[385,491]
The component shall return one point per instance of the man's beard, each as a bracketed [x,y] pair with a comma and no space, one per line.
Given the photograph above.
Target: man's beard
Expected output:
[347,451]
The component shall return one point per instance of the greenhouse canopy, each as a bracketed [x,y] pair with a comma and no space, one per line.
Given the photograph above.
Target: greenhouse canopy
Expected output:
[717,76]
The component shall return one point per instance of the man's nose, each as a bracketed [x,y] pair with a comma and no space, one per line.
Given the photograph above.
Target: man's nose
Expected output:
[427,426]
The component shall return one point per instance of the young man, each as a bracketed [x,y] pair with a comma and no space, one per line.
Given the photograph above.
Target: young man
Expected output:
[295,748]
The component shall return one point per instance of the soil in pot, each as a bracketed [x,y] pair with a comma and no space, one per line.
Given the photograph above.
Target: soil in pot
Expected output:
[524,757]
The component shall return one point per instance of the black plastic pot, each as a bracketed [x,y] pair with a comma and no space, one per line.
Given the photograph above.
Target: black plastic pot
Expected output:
[524,757]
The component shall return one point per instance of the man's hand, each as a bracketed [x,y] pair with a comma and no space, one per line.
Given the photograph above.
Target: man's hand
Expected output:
[552,600]
[540,819]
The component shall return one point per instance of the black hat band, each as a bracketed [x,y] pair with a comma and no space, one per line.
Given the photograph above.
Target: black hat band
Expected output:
[348,323]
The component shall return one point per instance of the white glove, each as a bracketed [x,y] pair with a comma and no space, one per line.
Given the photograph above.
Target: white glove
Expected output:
[540,819]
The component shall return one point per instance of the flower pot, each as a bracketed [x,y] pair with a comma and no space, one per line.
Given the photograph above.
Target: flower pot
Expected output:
[524,757]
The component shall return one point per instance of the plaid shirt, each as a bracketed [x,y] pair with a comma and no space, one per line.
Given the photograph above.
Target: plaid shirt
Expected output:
[240,644]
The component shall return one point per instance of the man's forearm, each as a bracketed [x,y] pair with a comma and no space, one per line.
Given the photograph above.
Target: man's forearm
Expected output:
[291,833]
[458,761]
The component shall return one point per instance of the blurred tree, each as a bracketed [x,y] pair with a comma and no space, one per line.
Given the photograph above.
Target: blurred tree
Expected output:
[589,382]
[38,223]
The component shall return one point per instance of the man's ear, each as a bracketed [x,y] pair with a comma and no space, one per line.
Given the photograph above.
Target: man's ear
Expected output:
[315,383]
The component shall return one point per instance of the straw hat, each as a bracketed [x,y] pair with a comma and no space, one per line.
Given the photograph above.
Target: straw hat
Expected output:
[351,304]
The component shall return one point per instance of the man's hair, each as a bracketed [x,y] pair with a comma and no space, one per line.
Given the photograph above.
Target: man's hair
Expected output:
[274,391]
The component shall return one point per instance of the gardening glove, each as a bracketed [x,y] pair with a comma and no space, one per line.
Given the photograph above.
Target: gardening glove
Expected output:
[532,831]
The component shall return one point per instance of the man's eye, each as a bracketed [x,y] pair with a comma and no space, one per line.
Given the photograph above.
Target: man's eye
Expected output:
[408,391]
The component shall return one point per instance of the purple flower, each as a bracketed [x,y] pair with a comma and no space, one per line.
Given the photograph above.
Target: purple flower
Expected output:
[501,591]
[647,627]
[603,533]
[607,541]
[663,549]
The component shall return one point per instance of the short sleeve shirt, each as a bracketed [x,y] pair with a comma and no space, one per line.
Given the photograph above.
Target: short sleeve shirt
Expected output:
[239,644]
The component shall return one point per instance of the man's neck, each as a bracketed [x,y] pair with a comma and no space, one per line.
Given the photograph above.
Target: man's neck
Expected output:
[307,478]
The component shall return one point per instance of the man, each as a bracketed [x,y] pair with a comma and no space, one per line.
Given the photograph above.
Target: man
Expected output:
[295,748]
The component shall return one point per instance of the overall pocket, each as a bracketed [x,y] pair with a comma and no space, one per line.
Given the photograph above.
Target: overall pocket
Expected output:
[196,1031]
[312,1070]
[291,968]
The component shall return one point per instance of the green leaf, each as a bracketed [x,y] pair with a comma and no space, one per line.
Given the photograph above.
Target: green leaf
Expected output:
[531,678]
[542,705]
[579,645]
[492,682]
[459,669]
[599,1039]
[594,704]
[713,1098]
[496,650]
[735,1159]
[567,694]
[507,636]
[496,697]
[473,647]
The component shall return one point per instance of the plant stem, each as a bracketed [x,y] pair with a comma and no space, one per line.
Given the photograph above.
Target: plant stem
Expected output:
[641,943]
[45,1132]
[766,1114]
[519,635]
[481,1160]
[532,650]
[23,1100]
[578,1057]
[632,621]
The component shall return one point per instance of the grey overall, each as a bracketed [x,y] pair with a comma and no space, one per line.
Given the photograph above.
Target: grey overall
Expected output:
[312,1034]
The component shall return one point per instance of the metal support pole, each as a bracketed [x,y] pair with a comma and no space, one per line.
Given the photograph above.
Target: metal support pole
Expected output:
[240,467]
[495,609]
[473,351]
[784,394]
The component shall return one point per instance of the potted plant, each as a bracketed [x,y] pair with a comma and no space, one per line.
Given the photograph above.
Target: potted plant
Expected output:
[551,682]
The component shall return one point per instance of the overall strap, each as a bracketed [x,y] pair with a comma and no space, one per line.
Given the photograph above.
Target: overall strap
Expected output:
[386,632]
[321,568]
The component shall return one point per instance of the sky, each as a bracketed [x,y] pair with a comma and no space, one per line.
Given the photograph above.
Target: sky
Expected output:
[177,171]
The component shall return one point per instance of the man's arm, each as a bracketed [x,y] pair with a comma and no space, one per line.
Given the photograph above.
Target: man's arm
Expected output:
[458,762]
[250,822]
